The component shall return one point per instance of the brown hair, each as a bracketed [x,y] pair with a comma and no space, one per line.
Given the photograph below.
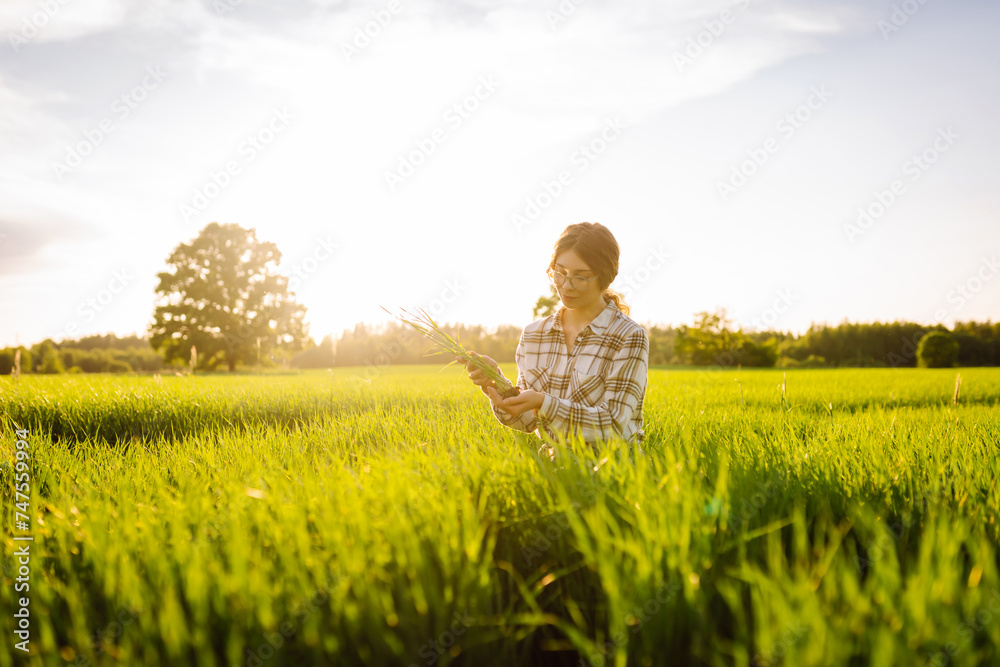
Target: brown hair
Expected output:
[596,245]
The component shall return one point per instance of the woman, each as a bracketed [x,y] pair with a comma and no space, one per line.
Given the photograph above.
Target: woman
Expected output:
[583,368]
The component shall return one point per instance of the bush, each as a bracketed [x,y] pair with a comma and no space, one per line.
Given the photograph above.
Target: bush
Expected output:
[814,361]
[116,366]
[93,361]
[51,364]
[69,358]
[938,349]
[759,355]
[26,360]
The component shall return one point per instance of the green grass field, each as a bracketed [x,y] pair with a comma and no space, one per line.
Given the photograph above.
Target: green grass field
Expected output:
[317,519]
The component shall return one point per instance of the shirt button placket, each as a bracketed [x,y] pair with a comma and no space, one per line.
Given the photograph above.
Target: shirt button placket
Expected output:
[571,366]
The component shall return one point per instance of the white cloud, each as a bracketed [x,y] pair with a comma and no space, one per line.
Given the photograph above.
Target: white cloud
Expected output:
[58,20]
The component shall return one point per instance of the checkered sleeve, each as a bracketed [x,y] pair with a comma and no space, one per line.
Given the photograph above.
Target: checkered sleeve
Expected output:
[624,387]
[526,420]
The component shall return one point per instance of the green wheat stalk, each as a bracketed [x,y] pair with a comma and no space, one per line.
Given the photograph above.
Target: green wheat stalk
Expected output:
[426,326]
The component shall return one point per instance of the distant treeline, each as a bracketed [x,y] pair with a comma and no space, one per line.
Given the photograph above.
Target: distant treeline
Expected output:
[711,341]
[890,344]
[92,354]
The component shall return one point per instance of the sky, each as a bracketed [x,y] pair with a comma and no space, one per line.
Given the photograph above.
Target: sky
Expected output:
[792,162]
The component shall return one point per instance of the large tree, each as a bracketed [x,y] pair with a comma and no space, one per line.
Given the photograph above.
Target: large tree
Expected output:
[223,295]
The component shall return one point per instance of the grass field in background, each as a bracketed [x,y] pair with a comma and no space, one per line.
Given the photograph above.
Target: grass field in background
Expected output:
[383,516]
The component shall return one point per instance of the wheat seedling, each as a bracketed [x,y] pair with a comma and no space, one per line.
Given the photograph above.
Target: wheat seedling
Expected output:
[784,396]
[426,326]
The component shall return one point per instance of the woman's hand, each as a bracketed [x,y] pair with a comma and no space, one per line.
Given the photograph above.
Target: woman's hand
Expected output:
[528,399]
[477,376]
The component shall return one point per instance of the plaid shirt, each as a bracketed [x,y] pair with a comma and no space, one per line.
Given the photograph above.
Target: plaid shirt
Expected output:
[597,389]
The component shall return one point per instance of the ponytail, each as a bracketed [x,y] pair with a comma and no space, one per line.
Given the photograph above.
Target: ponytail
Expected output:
[619,300]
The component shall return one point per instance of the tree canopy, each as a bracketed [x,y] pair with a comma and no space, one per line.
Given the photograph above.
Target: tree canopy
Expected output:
[938,349]
[223,295]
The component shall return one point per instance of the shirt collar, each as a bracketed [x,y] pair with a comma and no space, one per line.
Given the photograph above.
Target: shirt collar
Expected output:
[597,325]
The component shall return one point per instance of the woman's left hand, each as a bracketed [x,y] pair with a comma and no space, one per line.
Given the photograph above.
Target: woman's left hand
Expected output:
[528,399]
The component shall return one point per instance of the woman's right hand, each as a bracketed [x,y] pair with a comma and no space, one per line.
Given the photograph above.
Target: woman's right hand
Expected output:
[476,375]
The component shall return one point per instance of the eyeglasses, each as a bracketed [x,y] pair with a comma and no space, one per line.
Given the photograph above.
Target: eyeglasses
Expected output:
[579,283]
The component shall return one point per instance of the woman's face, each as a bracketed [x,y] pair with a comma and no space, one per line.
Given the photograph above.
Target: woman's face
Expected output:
[573,297]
